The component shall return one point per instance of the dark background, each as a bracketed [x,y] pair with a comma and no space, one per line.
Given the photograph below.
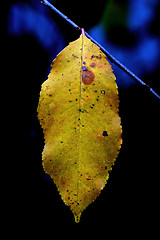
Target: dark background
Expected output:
[32,37]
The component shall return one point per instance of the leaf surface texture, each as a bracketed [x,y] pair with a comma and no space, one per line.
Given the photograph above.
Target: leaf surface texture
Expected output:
[78,111]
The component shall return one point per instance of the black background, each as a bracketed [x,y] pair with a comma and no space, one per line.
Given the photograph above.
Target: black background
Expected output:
[129,204]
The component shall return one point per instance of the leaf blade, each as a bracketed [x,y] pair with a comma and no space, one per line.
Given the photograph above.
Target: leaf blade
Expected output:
[78,111]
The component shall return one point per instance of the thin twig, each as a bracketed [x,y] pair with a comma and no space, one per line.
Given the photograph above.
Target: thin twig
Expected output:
[110,57]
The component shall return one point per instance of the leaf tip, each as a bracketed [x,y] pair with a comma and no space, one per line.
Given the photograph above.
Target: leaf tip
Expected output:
[77,217]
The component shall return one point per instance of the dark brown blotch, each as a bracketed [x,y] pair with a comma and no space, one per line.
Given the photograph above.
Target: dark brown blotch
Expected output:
[88,77]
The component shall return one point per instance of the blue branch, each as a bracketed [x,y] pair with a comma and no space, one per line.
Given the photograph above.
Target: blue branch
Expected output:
[110,57]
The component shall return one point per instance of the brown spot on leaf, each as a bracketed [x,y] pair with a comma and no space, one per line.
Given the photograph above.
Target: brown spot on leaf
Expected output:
[93,65]
[74,56]
[87,77]
[99,56]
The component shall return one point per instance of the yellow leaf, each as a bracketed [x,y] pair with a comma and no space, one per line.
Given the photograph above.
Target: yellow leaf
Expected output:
[78,111]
